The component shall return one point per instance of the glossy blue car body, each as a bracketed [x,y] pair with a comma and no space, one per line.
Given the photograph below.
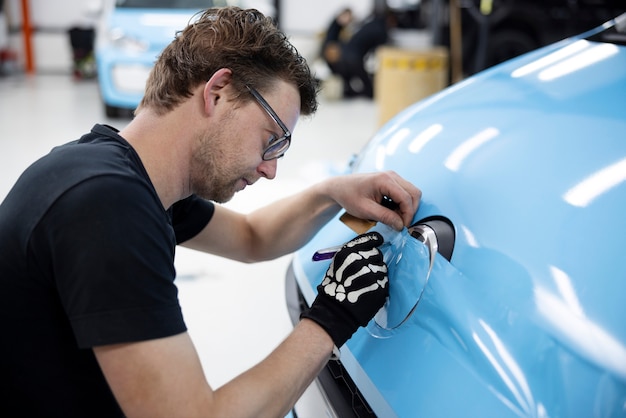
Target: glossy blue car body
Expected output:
[130,37]
[526,163]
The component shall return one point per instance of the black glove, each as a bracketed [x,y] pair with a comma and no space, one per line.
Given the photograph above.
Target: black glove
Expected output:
[353,290]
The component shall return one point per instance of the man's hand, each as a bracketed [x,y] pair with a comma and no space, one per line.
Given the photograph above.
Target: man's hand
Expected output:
[354,288]
[361,195]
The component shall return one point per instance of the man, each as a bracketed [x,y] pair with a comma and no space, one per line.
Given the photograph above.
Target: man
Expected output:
[87,238]
[347,58]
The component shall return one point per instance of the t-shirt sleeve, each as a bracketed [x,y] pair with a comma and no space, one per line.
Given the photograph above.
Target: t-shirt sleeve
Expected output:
[190,216]
[113,246]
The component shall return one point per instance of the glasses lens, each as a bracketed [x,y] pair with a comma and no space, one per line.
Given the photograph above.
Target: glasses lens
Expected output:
[277,149]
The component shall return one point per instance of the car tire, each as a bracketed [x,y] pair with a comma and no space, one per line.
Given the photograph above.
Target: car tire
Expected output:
[111,111]
[114,112]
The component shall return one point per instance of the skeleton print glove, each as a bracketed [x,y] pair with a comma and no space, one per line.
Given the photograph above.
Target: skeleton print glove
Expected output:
[354,288]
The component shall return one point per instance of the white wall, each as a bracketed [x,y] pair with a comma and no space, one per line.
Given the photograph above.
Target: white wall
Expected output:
[50,20]
[305,17]
[54,14]
[302,20]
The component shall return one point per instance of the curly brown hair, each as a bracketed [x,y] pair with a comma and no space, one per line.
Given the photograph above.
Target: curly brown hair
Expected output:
[244,41]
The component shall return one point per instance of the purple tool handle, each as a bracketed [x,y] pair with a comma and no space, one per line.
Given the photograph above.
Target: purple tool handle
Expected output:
[326,253]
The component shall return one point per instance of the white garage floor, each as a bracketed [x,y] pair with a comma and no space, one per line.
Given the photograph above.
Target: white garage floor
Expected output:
[235,312]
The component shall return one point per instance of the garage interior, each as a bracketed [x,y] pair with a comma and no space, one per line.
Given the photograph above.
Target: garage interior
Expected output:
[43,104]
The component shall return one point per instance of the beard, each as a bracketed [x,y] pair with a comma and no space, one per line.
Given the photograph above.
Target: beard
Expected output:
[212,175]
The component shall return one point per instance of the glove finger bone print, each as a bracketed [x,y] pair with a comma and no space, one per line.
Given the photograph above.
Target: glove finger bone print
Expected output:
[353,289]
[343,282]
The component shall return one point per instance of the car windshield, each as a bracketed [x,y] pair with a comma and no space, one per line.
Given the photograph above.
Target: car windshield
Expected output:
[170,4]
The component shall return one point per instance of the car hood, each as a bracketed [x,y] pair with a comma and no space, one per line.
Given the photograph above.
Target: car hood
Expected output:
[527,161]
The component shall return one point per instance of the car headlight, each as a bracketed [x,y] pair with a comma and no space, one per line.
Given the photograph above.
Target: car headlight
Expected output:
[121,40]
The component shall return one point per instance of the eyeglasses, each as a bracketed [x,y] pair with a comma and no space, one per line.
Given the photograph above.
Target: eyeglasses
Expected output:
[277,146]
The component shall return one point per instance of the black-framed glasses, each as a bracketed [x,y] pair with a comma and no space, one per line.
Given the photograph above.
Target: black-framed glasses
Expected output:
[277,146]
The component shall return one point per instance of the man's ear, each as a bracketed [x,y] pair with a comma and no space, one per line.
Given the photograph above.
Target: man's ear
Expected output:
[215,89]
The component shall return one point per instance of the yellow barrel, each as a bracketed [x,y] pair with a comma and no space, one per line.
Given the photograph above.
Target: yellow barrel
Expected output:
[405,76]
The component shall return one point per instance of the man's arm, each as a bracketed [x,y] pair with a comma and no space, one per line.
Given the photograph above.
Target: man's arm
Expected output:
[164,377]
[287,224]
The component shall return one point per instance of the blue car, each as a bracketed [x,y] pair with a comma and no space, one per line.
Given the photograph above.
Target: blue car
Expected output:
[508,292]
[131,35]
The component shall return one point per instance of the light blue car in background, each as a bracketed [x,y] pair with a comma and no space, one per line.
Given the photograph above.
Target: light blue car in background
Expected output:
[131,35]
[508,293]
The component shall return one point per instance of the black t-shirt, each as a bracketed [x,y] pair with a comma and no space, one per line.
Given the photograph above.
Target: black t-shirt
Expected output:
[86,259]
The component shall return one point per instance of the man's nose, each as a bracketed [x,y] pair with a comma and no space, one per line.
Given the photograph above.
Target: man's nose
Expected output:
[268,169]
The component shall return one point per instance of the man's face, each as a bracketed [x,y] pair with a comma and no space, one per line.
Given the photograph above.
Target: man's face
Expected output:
[229,154]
